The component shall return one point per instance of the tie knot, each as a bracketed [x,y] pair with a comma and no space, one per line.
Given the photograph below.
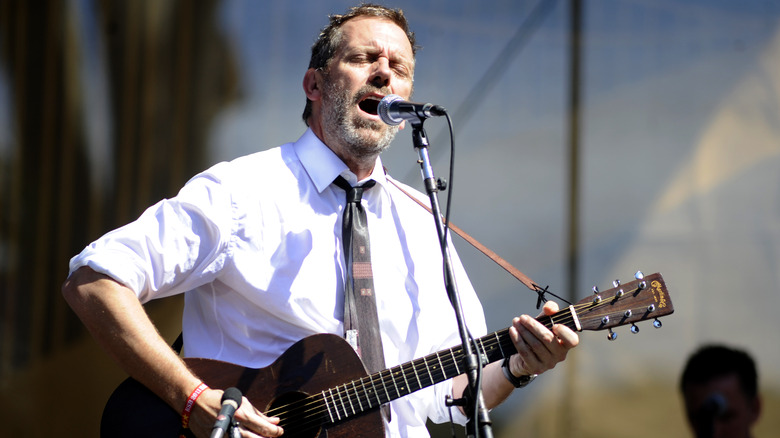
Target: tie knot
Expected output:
[354,194]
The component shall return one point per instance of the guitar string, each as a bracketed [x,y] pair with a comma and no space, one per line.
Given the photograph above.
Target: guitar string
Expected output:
[568,319]
[344,391]
[313,404]
[314,407]
[313,417]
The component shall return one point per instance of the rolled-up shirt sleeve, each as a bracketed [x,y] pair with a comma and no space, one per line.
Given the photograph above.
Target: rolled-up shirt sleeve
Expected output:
[174,246]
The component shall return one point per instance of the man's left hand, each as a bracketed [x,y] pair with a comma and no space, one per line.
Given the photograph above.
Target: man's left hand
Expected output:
[538,348]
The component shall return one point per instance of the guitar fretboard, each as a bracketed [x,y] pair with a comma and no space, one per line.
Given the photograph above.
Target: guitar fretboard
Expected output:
[372,391]
[638,300]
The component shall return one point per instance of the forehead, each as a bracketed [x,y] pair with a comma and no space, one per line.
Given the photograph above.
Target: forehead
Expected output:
[376,34]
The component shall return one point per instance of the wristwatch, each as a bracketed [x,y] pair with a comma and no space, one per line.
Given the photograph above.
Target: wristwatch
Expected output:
[517,382]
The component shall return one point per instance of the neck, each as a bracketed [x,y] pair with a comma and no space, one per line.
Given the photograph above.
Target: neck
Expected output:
[362,168]
[360,165]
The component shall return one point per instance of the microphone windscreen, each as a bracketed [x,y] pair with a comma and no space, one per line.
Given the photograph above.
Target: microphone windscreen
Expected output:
[232,394]
[383,110]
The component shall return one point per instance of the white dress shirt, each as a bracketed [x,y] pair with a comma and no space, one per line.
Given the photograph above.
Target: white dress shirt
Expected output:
[256,244]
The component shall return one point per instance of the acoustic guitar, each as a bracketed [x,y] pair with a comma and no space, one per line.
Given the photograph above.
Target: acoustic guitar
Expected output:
[320,388]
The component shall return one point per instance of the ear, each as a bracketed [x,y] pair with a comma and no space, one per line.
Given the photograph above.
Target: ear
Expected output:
[312,84]
[756,407]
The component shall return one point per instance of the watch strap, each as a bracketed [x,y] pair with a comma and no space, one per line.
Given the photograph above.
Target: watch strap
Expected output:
[517,382]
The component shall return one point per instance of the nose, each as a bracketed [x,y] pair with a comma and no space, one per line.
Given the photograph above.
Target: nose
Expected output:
[381,74]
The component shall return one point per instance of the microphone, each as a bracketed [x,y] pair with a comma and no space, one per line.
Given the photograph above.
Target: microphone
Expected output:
[711,410]
[714,406]
[393,110]
[231,400]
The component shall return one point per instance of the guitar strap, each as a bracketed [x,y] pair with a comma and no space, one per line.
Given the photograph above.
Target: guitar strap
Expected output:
[482,248]
[178,343]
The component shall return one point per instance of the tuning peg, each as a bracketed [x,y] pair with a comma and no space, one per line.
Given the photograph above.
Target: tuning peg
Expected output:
[657,323]
[615,283]
[640,276]
[611,335]
[634,329]
[597,298]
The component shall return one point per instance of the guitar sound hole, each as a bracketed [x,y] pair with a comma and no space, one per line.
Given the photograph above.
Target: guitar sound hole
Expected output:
[296,415]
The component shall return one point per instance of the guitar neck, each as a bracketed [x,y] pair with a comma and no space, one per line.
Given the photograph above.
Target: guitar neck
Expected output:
[385,386]
[644,298]
[420,373]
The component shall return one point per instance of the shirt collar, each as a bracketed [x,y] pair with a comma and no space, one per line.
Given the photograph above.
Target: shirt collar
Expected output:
[323,166]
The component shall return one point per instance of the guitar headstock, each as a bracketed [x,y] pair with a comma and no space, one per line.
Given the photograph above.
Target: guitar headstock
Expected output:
[644,298]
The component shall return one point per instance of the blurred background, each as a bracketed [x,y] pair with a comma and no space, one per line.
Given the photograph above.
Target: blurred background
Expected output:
[594,139]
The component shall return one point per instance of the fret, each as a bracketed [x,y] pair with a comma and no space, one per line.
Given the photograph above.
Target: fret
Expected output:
[492,350]
[428,369]
[330,413]
[441,367]
[395,385]
[498,342]
[327,406]
[335,404]
[416,376]
[349,399]
[360,404]
[341,402]
[455,362]
[387,394]
[493,347]
[482,355]
[376,394]
[368,391]
[406,382]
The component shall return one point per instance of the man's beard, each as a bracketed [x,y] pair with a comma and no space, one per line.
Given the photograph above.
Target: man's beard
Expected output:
[360,137]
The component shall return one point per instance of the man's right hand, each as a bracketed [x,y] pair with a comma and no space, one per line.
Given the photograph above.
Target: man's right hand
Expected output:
[253,423]
[119,323]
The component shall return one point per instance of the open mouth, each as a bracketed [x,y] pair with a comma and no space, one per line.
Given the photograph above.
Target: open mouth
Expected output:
[369,105]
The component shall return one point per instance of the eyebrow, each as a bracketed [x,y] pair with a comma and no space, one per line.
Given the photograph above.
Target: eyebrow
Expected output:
[395,55]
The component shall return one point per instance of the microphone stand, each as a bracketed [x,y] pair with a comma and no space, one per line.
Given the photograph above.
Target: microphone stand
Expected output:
[481,426]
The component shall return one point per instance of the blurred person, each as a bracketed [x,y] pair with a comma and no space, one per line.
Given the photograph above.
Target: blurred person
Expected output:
[719,386]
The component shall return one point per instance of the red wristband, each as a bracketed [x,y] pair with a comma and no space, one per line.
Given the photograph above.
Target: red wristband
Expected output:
[185,414]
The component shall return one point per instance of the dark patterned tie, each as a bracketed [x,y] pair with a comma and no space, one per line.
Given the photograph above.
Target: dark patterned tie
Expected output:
[361,326]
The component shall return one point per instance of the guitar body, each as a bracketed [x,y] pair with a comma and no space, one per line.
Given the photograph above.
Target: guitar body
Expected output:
[310,366]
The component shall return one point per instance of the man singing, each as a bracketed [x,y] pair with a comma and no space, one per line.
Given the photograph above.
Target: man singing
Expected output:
[255,245]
